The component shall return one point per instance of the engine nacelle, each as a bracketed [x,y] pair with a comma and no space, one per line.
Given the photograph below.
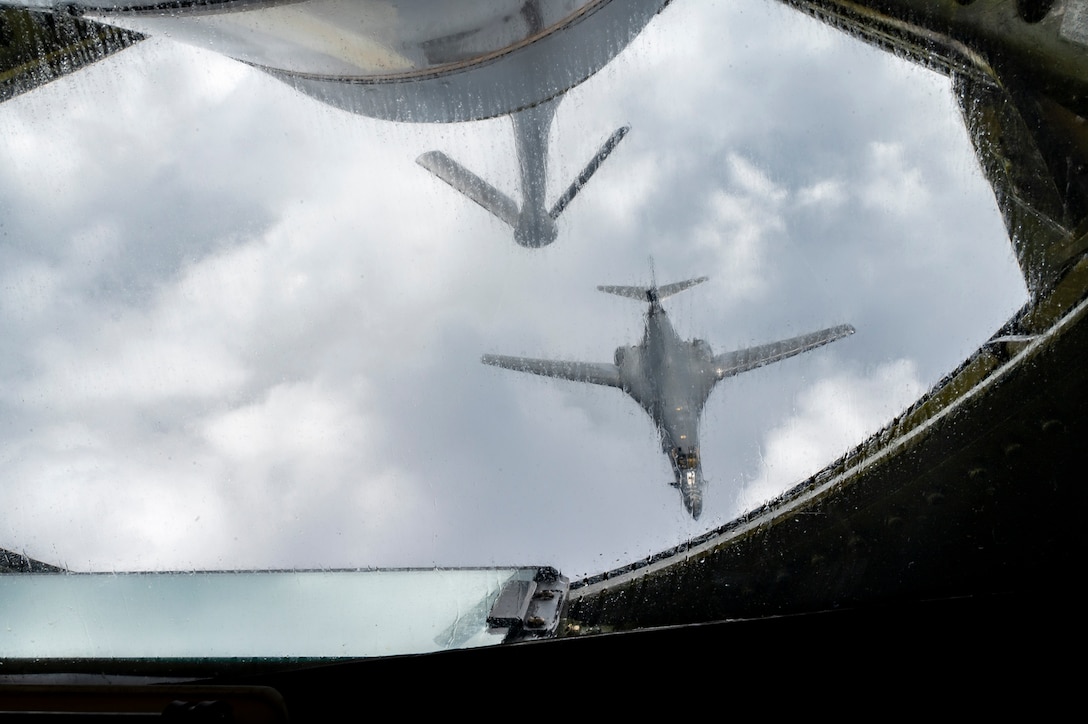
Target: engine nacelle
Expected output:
[624,354]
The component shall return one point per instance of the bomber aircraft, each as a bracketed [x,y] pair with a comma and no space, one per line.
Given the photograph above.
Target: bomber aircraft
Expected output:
[671,378]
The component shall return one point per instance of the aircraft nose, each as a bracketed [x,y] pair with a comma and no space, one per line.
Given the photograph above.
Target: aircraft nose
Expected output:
[693,499]
[694,504]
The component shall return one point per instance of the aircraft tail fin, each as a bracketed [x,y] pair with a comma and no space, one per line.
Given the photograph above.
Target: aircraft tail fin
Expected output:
[654,293]
[471,185]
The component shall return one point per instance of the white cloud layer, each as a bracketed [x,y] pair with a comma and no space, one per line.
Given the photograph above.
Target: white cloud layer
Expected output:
[832,416]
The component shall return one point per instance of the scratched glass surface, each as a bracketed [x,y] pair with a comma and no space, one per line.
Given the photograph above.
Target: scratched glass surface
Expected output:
[243,326]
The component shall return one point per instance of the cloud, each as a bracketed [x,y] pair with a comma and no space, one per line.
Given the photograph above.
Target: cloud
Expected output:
[827,193]
[742,226]
[895,184]
[833,415]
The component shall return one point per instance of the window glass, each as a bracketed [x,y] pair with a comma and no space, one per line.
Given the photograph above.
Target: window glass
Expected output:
[243,327]
[240,614]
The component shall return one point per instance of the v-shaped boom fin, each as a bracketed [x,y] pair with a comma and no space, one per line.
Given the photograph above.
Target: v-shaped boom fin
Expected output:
[588,171]
[471,185]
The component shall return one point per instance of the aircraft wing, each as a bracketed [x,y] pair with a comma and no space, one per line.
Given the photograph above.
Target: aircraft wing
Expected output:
[596,373]
[471,185]
[742,360]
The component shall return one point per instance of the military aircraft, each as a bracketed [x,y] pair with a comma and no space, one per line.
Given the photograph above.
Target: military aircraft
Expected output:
[533,224]
[670,378]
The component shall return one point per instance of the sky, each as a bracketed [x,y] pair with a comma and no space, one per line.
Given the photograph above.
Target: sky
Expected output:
[243,329]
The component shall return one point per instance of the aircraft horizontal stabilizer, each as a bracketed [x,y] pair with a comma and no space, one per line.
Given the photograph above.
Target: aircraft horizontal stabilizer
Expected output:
[649,294]
[742,360]
[597,373]
[471,185]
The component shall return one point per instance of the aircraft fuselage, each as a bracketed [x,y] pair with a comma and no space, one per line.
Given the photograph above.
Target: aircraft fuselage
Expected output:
[668,376]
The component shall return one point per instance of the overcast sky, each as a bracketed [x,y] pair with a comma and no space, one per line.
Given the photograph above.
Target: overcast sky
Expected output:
[243,329]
